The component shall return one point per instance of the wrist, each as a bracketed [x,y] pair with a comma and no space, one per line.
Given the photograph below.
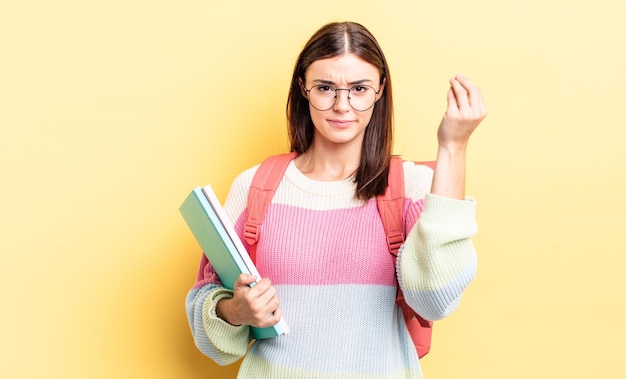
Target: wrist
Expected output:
[453,149]
[449,175]
[222,311]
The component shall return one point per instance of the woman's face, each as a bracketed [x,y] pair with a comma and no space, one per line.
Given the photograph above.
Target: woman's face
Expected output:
[341,124]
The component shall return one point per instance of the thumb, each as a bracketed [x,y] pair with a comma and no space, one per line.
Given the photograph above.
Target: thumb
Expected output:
[452,104]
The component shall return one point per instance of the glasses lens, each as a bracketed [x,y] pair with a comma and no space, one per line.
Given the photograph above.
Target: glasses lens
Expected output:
[322,97]
[362,97]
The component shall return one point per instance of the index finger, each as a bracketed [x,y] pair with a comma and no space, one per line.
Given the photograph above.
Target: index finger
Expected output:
[460,94]
[246,280]
[473,92]
[261,286]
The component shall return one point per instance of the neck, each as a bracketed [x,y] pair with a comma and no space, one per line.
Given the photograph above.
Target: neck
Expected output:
[328,165]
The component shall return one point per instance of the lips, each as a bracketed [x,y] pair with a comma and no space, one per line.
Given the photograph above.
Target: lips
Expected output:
[341,123]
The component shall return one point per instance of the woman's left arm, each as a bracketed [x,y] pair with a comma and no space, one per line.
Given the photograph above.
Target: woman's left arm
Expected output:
[438,260]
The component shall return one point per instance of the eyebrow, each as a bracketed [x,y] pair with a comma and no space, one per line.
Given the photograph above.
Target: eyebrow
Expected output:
[353,83]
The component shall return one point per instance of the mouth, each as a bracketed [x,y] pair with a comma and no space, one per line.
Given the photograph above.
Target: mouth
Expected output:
[341,123]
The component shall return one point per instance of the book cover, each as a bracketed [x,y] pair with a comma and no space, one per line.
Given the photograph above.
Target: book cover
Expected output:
[214,232]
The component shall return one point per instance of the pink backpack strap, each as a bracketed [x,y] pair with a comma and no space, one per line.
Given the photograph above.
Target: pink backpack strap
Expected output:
[264,184]
[391,209]
[391,206]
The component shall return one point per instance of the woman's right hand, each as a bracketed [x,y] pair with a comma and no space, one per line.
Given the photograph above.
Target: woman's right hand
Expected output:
[256,306]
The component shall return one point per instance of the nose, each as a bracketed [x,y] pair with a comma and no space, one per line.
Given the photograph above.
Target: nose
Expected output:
[342,103]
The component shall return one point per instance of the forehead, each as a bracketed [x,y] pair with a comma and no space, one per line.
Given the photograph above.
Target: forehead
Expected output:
[347,68]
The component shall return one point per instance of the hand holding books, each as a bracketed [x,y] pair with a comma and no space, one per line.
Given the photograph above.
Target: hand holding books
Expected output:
[222,246]
[256,306]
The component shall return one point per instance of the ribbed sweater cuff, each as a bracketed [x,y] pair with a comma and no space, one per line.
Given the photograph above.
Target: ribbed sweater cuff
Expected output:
[228,338]
[443,208]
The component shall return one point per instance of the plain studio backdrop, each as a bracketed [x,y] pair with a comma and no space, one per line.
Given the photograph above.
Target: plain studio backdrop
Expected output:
[112,111]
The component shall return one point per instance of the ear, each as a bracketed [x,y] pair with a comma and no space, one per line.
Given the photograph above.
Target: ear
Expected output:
[302,88]
[382,89]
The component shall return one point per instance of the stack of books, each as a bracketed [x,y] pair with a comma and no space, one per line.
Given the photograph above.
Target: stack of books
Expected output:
[215,234]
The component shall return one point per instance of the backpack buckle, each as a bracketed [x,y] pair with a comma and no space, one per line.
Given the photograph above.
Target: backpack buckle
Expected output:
[394,241]
[251,233]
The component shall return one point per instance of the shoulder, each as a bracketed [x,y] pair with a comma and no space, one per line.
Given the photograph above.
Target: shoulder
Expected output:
[270,167]
[237,199]
[417,179]
[243,181]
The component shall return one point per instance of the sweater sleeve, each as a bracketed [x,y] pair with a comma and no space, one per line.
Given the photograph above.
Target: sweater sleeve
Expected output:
[438,260]
[214,337]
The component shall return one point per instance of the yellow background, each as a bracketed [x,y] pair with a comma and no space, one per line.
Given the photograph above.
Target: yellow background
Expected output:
[111,111]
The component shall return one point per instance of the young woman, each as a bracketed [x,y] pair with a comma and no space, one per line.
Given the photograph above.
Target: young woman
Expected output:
[323,250]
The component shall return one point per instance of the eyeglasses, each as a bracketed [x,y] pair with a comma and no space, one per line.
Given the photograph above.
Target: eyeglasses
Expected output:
[323,97]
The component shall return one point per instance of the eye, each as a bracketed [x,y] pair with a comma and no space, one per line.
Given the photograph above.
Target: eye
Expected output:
[325,89]
[361,90]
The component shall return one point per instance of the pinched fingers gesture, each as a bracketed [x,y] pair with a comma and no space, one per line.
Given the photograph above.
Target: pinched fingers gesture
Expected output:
[466,109]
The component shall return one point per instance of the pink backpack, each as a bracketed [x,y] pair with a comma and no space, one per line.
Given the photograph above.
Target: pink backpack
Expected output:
[390,207]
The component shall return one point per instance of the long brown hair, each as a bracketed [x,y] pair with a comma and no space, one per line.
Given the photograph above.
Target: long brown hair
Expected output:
[331,40]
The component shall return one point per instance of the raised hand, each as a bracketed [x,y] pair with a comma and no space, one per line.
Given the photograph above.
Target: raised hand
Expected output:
[466,109]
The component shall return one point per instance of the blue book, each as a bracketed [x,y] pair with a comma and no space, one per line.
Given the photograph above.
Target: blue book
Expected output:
[214,231]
